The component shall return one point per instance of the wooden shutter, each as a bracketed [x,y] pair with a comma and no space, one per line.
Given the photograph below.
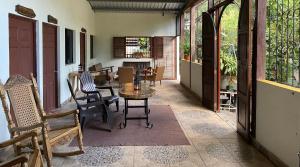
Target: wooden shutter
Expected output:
[157,47]
[119,47]
[244,69]
[209,68]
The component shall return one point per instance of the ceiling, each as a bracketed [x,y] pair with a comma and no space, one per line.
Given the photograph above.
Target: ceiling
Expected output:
[138,5]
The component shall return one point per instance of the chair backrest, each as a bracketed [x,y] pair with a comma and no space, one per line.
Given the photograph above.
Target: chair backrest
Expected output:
[26,109]
[125,74]
[159,73]
[87,82]
[98,67]
[72,93]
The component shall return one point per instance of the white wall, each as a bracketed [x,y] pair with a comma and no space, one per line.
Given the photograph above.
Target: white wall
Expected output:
[72,14]
[195,84]
[118,24]
[278,120]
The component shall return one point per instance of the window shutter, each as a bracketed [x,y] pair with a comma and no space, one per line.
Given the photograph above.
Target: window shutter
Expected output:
[157,47]
[119,47]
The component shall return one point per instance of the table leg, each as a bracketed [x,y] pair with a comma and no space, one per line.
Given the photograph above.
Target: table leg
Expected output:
[148,124]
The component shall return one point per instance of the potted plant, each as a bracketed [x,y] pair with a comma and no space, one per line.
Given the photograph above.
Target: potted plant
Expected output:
[186,50]
[228,66]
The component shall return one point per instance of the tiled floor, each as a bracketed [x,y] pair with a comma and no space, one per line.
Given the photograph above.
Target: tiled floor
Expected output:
[214,141]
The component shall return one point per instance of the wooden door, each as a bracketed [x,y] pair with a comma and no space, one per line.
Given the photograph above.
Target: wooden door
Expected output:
[82,50]
[22,57]
[209,67]
[244,69]
[50,97]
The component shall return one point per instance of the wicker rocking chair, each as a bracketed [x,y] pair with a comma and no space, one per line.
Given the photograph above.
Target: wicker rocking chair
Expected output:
[30,159]
[27,114]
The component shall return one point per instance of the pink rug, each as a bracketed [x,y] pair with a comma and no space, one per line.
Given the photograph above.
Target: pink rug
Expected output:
[166,130]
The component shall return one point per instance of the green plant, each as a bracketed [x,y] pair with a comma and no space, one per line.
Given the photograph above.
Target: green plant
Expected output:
[186,48]
[143,43]
[228,65]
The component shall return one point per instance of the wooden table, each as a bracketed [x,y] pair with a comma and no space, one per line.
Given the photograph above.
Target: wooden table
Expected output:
[128,93]
[75,81]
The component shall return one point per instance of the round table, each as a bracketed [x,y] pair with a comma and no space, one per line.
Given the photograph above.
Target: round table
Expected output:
[129,93]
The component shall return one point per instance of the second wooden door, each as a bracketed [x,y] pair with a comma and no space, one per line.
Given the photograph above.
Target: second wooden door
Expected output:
[50,97]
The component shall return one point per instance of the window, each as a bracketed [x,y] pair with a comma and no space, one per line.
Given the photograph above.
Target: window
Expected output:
[186,45]
[200,8]
[138,47]
[69,42]
[91,46]
[283,42]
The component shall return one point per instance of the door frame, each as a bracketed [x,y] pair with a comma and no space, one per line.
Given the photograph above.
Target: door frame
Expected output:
[56,63]
[10,15]
[85,49]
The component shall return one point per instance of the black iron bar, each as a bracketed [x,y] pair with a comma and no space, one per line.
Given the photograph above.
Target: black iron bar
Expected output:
[293,43]
[287,41]
[276,64]
[282,37]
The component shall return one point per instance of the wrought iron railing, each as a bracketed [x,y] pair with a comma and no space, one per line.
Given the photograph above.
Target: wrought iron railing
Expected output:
[283,42]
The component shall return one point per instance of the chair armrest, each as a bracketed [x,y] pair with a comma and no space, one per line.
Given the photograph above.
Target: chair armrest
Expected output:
[21,159]
[18,139]
[27,128]
[109,67]
[59,115]
[107,87]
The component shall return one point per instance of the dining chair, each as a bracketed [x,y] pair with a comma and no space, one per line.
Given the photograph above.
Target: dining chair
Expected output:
[156,75]
[125,74]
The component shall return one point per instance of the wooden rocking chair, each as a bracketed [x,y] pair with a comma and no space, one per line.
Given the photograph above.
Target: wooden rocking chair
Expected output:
[30,159]
[27,114]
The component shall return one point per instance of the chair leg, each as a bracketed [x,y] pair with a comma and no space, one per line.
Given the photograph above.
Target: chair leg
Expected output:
[108,117]
[117,105]
[160,82]
[47,147]
[79,140]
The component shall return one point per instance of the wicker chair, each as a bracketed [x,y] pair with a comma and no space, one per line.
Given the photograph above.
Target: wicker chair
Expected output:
[27,114]
[125,74]
[157,75]
[30,159]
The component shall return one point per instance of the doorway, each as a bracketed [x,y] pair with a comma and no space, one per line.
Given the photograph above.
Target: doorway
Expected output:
[50,78]
[211,62]
[228,33]
[82,50]
[22,48]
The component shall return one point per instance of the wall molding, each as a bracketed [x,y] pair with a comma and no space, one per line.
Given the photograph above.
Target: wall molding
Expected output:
[52,19]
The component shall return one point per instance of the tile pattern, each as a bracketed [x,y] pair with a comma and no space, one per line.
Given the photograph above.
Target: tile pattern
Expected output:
[100,156]
[166,154]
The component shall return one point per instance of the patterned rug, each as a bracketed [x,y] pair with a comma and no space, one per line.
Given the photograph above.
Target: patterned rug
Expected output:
[165,131]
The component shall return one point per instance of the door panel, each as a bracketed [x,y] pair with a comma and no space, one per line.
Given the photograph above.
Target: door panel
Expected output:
[209,73]
[244,70]
[22,58]
[82,50]
[50,98]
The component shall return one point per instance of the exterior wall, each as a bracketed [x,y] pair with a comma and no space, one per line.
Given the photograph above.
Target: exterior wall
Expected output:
[196,76]
[70,14]
[278,120]
[113,24]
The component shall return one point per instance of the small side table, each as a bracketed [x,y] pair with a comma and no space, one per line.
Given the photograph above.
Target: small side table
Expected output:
[226,100]
[128,93]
